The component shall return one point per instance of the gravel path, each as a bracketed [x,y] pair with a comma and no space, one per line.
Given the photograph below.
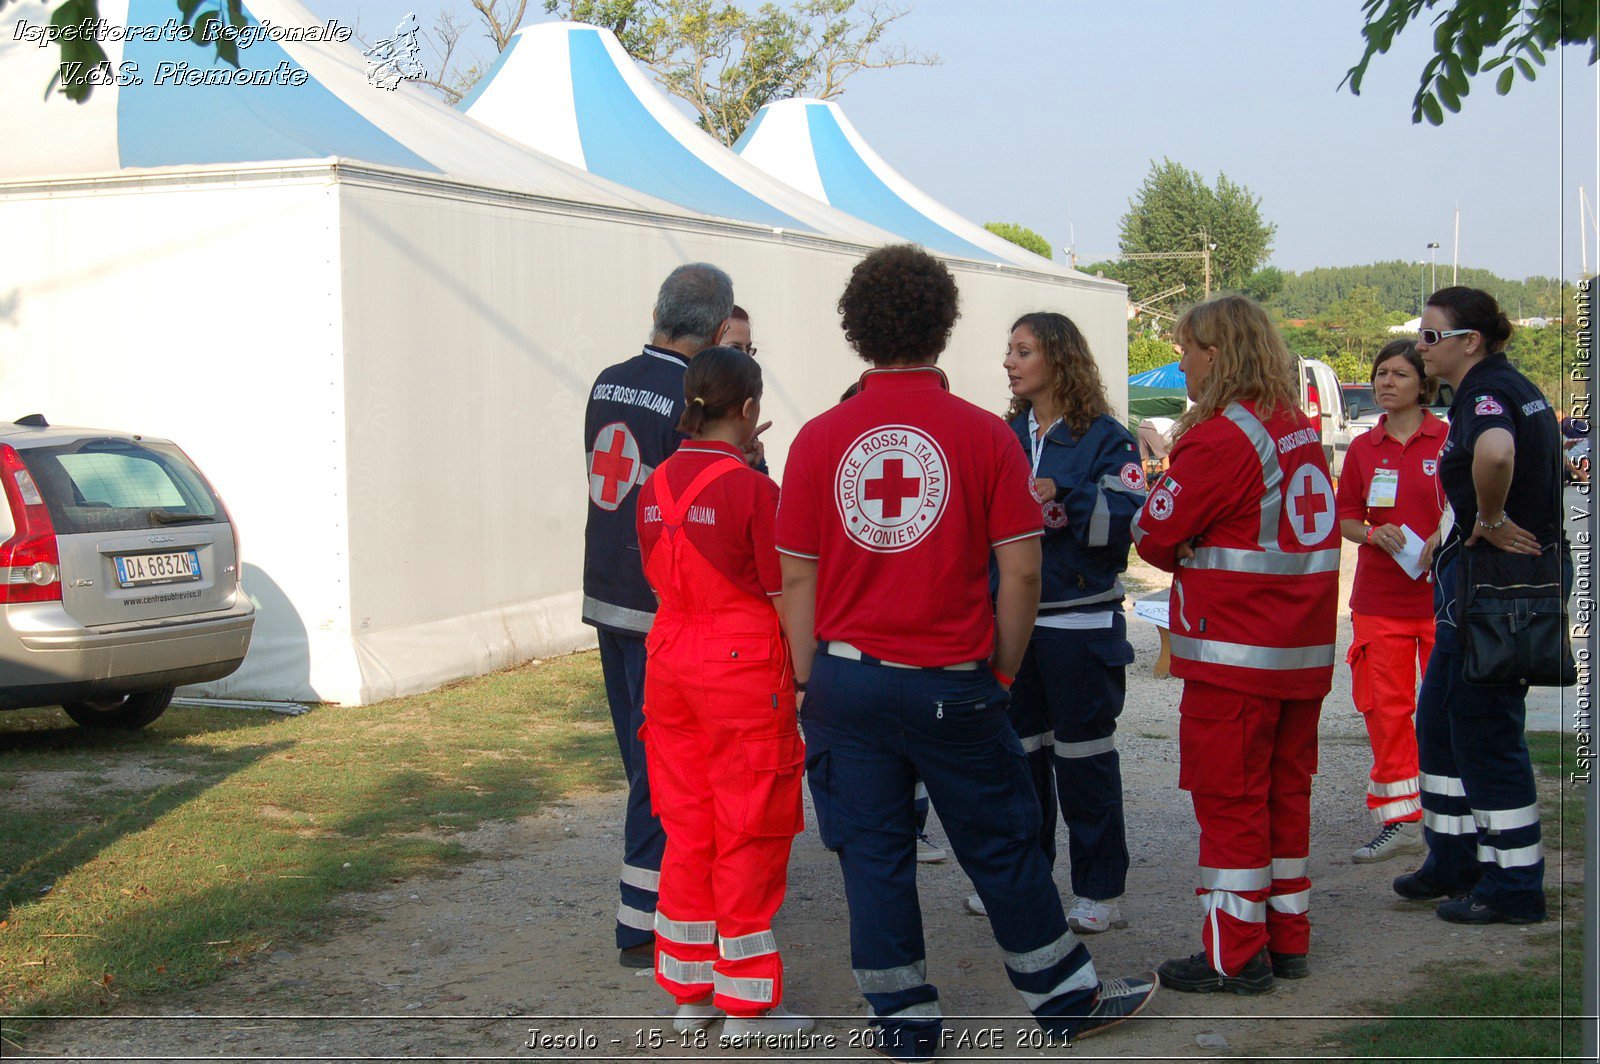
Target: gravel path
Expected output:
[465,965]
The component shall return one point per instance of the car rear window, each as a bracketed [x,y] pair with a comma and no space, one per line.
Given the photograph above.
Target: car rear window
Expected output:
[112,485]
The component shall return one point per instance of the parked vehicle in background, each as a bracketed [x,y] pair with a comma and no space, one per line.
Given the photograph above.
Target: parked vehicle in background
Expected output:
[119,575]
[1323,402]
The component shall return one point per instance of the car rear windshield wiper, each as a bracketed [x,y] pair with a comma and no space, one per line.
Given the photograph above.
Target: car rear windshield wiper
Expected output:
[167,517]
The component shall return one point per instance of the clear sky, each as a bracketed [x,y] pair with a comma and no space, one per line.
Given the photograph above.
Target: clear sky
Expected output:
[1049,112]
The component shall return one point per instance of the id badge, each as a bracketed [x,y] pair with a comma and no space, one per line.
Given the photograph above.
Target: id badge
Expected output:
[1384,490]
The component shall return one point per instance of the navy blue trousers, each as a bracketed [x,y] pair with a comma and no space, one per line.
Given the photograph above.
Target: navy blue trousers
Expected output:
[1480,809]
[622,660]
[1064,706]
[871,732]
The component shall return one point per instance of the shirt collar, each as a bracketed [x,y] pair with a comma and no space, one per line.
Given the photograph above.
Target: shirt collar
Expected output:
[710,447]
[1431,426]
[904,378]
[661,352]
[1487,365]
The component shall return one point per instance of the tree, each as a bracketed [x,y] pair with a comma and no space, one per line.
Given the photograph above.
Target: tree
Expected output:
[1149,352]
[1175,210]
[1021,236]
[728,62]
[1464,31]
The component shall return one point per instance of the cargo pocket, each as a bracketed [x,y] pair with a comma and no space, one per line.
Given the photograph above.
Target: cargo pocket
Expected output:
[1360,675]
[1211,743]
[818,766]
[762,797]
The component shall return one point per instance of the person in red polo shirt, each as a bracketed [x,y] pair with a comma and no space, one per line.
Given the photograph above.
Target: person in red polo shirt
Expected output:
[892,502]
[720,735]
[1389,502]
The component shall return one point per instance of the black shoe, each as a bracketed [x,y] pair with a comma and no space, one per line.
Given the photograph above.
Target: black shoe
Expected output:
[1194,975]
[641,956]
[1412,887]
[1289,966]
[1118,1000]
[1469,910]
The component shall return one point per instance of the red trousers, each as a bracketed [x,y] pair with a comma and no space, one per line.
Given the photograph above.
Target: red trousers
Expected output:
[1247,761]
[1386,659]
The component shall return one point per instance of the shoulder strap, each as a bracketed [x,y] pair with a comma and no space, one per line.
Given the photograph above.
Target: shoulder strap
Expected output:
[672,510]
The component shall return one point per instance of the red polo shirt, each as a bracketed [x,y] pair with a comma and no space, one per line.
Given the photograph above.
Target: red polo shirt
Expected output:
[730,523]
[1382,588]
[899,494]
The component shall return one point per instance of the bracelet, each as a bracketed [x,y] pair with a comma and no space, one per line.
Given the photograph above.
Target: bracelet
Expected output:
[1487,526]
[799,687]
[1369,535]
[1001,678]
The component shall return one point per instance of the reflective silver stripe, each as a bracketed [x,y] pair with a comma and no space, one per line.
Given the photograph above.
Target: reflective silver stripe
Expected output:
[1087,749]
[1036,742]
[1100,518]
[617,616]
[643,878]
[1289,867]
[1271,472]
[1448,825]
[1254,912]
[1138,529]
[1273,561]
[691,973]
[628,916]
[1037,960]
[1296,903]
[1518,858]
[1506,819]
[892,980]
[1082,979]
[1117,591]
[1277,659]
[1394,810]
[1399,789]
[1449,786]
[757,990]
[922,1010]
[920,790]
[687,932]
[1236,878]
[742,947]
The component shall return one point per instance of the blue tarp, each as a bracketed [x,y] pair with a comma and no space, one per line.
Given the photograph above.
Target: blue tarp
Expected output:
[1168,376]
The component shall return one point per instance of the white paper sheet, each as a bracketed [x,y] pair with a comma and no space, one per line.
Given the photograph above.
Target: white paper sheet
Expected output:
[1410,555]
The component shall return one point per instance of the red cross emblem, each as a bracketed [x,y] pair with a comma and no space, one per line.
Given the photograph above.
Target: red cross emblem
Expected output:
[1160,504]
[613,465]
[893,488]
[1310,498]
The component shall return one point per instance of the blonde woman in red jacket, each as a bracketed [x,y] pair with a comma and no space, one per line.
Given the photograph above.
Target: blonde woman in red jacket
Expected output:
[1244,520]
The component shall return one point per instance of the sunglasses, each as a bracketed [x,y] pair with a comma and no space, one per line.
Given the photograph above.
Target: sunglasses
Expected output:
[1433,336]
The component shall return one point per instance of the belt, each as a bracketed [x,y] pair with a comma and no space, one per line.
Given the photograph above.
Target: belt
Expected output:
[836,649]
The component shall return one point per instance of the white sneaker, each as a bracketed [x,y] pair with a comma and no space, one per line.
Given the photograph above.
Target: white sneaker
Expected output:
[1392,841]
[774,1022]
[975,906]
[1090,917]
[695,1015]
[928,853]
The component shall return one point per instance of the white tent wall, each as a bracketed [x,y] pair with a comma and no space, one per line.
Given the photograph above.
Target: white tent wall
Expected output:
[204,309]
[474,325]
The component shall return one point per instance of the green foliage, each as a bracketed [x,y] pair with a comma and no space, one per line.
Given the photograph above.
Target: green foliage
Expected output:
[1401,287]
[1149,352]
[1465,34]
[727,61]
[1169,213]
[1264,284]
[1021,236]
[84,63]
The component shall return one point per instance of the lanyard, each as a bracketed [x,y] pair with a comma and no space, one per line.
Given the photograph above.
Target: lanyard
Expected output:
[1036,440]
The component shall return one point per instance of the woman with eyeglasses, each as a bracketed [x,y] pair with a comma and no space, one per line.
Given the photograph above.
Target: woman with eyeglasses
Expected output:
[1388,502]
[1244,520]
[1500,472]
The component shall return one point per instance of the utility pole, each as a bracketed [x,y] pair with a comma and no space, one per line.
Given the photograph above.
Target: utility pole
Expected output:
[1433,255]
[1207,246]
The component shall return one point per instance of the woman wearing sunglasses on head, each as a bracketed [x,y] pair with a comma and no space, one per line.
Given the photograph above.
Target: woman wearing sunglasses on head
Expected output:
[1500,472]
[1389,502]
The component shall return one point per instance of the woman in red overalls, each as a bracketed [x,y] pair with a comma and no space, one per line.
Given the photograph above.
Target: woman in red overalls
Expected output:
[720,734]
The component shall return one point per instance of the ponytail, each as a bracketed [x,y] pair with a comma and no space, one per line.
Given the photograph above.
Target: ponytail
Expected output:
[719,381]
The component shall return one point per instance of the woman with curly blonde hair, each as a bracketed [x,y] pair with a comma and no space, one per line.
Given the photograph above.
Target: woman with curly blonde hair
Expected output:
[1070,688]
[1245,520]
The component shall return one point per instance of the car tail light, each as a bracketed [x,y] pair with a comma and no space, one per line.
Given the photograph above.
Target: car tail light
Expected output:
[30,562]
[1313,401]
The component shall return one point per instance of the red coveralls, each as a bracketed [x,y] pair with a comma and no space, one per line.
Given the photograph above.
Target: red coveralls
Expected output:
[724,756]
[1253,639]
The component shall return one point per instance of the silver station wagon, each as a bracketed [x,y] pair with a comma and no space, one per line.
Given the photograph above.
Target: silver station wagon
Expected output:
[119,575]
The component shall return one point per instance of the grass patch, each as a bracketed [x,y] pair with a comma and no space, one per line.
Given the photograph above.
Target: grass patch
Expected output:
[139,863]
[1549,983]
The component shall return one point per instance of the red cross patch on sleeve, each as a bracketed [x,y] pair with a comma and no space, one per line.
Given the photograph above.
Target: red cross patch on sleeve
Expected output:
[1132,476]
[1488,404]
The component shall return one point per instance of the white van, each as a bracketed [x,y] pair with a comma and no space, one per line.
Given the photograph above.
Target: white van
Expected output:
[1323,403]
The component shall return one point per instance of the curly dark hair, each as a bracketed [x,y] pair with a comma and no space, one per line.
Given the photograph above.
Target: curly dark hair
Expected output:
[899,306]
[1075,384]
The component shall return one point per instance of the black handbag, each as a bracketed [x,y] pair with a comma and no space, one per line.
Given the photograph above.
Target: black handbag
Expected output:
[1511,618]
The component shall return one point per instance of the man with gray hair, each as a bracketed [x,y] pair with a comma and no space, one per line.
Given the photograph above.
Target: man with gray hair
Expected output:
[630,427]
